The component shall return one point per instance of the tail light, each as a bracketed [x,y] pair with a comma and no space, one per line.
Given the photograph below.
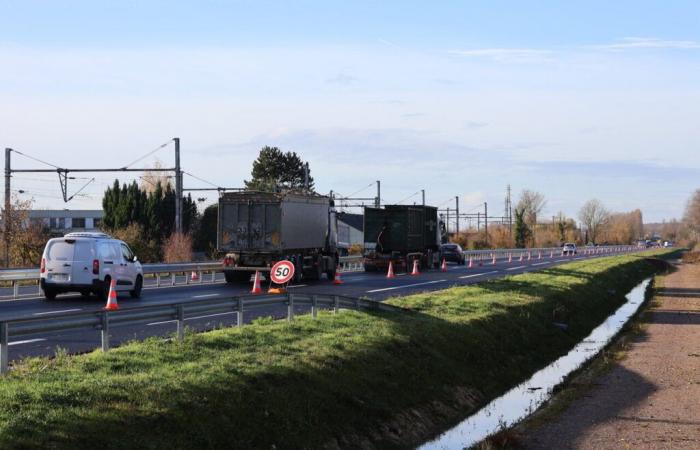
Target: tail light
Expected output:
[96,266]
[42,269]
[228,261]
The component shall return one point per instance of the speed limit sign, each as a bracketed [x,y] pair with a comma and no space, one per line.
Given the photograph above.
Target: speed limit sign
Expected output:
[282,272]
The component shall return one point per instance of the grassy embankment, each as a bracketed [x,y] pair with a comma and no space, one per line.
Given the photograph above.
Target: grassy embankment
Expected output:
[383,379]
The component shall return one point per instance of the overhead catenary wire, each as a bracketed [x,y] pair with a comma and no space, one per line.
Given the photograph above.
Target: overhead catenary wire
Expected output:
[410,196]
[148,154]
[36,159]
[202,180]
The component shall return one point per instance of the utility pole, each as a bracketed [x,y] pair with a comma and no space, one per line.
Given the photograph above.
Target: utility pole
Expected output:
[6,215]
[486,222]
[509,211]
[447,223]
[378,201]
[478,221]
[178,188]
[457,213]
[422,193]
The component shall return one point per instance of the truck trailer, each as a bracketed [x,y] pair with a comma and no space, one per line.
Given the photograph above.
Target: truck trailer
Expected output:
[401,234]
[257,229]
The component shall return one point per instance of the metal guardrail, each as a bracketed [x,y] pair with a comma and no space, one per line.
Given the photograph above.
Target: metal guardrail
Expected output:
[160,271]
[176,312]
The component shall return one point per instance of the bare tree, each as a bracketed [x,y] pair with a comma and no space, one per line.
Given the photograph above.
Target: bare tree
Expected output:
[150,178]
[531,203]
[691,218]
[594,218]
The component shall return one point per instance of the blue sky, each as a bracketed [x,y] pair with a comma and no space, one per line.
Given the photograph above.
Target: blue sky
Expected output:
[573,99]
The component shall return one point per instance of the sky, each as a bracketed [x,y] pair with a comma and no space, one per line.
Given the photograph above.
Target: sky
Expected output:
[576,100]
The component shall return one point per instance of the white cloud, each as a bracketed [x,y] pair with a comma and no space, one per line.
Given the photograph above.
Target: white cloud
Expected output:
[507,55]
[628,43]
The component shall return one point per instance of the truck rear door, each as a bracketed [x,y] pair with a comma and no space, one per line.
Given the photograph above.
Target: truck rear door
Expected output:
[59,261]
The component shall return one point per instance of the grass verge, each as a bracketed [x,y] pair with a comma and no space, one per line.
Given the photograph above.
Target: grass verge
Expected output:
[383,380]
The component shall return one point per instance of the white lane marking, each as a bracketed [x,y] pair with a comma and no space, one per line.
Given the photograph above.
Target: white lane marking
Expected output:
[57,312]
[479,274]
[297,286]
[194,318]
[406,286]
[580,257]
[211,315]
[516,267]
[560,260]
[161,323]
[541,264]
[28,341]
[205,295]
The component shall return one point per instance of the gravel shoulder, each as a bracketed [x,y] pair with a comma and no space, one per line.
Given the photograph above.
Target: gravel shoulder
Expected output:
[651,398]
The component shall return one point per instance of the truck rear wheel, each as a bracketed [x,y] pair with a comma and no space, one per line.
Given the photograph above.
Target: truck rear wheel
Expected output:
[237,276]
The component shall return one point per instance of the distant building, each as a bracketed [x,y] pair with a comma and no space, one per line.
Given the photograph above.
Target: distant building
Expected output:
[62,221]
[350,230]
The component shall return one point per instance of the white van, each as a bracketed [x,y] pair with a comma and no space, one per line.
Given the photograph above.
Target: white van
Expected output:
[87,263]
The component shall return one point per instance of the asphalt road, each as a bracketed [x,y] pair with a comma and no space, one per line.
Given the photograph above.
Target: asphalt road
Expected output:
[357,284]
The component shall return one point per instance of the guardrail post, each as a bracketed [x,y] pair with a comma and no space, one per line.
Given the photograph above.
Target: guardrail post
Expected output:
[15,289]
[336,302]
[290,307]
[172,276]
[105,331]
[157,280]
[4,337]
[38,283]
[240,312]
[314,308]
[199,276]
[180,322]
[213,276]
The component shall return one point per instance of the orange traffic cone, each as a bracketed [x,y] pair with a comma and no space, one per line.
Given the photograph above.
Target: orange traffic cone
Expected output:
[390,272]
[539,255]
[471,262]
[194,276]
[337,279]
[415,268]
[521,257]
[529,256]
[551,254]
[493,260]
[443,267]
[112,297]
[510,258]
[256,284]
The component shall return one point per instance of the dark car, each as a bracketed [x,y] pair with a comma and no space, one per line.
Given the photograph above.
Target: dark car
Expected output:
[452,253]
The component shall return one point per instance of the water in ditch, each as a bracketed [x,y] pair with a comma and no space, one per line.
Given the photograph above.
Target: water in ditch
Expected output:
[525,398]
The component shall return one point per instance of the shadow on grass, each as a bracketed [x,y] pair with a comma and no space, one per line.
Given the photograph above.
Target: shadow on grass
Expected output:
[383,380]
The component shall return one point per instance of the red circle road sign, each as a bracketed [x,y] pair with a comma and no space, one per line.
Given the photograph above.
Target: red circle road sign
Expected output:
[282,272]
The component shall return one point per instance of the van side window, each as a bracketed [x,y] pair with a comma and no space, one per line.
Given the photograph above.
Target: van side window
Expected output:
[126,252]
[105,252]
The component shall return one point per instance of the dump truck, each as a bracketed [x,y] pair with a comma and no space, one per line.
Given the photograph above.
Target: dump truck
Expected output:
[401,234]
[257,229]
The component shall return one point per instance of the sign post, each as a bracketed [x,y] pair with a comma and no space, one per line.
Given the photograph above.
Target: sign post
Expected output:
[280,274]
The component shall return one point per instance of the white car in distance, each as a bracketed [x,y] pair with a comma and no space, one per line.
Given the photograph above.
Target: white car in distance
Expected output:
[87,263]
[568,249]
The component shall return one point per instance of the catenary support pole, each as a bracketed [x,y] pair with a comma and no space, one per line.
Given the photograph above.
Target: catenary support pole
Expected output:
[178,187]
[6,215]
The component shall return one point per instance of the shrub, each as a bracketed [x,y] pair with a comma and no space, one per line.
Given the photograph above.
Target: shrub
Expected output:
[177,248]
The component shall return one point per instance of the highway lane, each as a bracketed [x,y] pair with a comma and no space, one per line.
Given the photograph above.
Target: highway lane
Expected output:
[356,284]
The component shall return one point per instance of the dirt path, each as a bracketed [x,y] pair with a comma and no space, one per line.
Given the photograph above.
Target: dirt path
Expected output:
[651,399]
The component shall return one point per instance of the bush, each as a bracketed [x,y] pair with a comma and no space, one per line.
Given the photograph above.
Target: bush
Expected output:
[134,236]
[177,248]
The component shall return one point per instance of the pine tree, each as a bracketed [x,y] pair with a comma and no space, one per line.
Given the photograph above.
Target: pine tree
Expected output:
[277,169]
[522,231]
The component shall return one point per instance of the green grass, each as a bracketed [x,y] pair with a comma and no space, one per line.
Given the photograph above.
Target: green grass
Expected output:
[387,380]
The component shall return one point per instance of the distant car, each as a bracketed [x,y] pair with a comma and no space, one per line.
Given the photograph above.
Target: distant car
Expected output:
[568,249]
[87,263]
[452,253]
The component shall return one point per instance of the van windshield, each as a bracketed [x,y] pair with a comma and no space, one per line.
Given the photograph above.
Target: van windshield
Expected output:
[61,251]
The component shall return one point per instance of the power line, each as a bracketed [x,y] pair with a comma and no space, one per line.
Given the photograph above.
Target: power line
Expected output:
[148,154]
[36,159]
[202,180]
